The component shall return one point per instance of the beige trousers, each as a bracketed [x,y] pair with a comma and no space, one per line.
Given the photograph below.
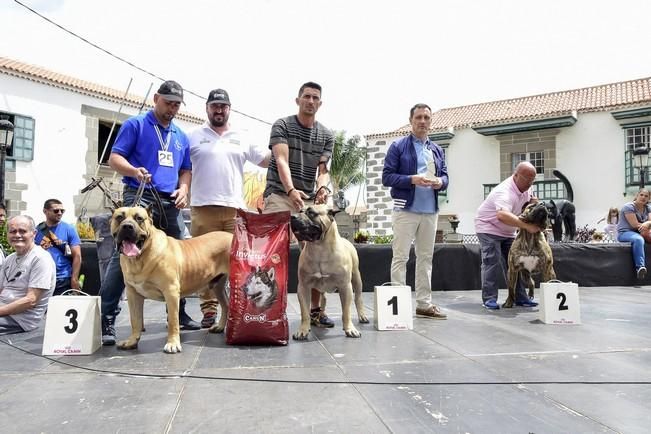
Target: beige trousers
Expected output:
[208,219]
[420,229]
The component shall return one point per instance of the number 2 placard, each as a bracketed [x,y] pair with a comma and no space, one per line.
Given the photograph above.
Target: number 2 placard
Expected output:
[559,303]
[393,308]
[72,326]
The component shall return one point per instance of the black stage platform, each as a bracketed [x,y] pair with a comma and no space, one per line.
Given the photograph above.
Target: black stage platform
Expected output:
[478,372]
[457,266]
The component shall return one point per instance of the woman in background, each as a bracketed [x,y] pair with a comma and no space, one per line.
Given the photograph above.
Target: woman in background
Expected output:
[635,220]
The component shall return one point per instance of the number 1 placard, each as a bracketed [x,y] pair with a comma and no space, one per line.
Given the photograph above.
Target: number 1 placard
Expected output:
[72,326]
[393,308]
[559,303]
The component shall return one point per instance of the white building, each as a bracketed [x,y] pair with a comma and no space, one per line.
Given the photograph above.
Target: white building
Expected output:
[61,127]
[587,134]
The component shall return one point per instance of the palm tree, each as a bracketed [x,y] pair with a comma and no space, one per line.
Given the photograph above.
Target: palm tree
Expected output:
[347,166]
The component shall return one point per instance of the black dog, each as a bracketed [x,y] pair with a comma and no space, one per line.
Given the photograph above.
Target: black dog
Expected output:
[562,214]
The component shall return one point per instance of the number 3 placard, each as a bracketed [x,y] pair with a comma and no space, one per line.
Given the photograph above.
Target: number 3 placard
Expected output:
[393,308]
[72,326]
[559,303]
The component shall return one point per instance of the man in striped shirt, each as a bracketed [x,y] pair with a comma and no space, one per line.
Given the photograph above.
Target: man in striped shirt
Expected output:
[301,148]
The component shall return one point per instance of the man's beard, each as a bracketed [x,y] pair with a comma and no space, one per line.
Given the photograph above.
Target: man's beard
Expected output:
[218,123]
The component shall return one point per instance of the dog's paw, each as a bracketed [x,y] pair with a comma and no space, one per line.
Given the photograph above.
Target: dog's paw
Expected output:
[172,348]
[301,335]
[508,304]
[129,344]
[353,333]
[216,328]
[363,319]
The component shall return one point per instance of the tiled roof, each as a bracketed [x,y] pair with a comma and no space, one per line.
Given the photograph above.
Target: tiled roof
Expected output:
[51,78]
[613,96]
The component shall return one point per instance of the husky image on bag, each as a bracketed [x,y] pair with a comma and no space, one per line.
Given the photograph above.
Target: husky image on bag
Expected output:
[261,288]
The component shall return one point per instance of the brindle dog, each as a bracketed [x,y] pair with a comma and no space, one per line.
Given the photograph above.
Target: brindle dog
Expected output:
[530,253]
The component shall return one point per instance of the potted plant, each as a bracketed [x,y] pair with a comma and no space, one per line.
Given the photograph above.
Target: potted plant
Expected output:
[454,222]
[383,239]
[361,236]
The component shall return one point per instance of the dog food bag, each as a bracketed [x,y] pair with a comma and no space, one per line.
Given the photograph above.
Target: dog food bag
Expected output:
[258,280]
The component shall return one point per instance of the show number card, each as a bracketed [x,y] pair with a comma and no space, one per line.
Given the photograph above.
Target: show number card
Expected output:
[72,326]
[559,303]
[393,308]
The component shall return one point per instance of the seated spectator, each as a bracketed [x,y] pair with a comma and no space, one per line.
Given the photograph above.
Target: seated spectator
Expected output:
[61,240]
[635,218]
[27,279]
[611,223]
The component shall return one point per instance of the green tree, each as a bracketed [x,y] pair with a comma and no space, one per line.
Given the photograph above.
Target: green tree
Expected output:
[347,166]
[3,240]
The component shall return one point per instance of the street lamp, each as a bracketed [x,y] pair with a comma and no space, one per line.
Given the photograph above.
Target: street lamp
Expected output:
[6,136]
[641,156]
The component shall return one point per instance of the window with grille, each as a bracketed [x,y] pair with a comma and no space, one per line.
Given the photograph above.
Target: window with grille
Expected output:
[536,158]
[443,194]
[635,137]
[23,143]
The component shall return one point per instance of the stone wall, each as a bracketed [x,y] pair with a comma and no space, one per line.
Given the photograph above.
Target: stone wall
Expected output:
[13,194]
[532,141]
[378,199]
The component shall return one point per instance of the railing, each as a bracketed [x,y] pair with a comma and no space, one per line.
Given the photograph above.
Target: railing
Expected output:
[543,190]
[472,239]
[632,172]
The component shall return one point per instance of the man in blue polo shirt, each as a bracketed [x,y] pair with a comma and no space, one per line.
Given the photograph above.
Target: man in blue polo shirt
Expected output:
[150,148]
[61,241]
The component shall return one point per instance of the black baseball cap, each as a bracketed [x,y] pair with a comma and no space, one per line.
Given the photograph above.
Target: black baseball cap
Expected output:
[171,91]
[219,96]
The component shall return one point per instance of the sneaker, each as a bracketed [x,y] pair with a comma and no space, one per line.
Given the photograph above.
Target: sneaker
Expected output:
[319,318]
[108,330]
[641,273]
[491,304]
[431,312]
[187,323]
[527,303]
[208,319]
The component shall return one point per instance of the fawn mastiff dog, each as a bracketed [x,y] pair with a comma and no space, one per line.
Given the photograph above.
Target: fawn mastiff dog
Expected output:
[327,263]
[530,253]
[162,268]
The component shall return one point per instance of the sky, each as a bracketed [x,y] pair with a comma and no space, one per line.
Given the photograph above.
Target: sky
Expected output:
[375,59]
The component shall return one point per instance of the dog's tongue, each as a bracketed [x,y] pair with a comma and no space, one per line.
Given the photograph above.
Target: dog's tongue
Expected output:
[130,249]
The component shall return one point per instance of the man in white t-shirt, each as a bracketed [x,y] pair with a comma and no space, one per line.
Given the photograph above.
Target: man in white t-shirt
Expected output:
[218,154]
[27,279]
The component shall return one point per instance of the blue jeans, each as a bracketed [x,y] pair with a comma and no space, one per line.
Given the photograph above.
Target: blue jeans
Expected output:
[113,283]
[637,246]
[494,263]
[61,286]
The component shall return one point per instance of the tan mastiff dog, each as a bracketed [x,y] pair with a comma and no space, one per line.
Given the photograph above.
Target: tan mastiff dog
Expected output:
[162,268]
[328,263]
[530,253]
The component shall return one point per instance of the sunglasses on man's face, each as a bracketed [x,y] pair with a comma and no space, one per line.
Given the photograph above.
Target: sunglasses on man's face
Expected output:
[58,210]
[16,276]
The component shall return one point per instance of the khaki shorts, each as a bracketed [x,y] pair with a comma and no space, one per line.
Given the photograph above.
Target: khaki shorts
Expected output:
[281,202]
[211,218]
[206,219]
